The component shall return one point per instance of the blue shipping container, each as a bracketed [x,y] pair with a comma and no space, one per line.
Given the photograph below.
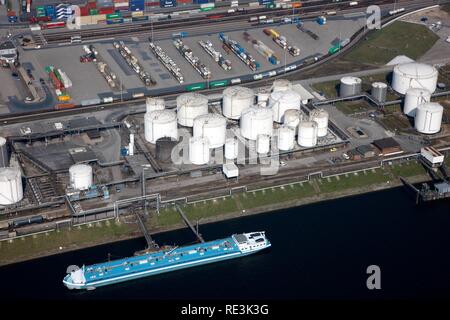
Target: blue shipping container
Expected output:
[265,2]
[201,1]
[114,21]
[143,18]
[167,3]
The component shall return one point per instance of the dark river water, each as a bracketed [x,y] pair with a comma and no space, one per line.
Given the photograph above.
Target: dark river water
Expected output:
[319,251]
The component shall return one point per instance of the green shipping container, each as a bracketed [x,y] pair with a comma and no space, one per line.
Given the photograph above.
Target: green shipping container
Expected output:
[333,50]
[197,86]
[48,69]
[113,16]
[206,9]
[215,84]
[93,12]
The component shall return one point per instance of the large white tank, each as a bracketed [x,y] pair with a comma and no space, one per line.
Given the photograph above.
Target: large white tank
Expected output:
[307,133]
[281,85]
[212,126]
[11,190]
[428,117]
[320,116]
[189,106]
[292,118]
[413,98]
[235,100]
[280,101]
[286,138]
[263,143]
[414,75]
[153,104]
[199,150]
[256,120]
[159,124]
[231,148]
[80,176]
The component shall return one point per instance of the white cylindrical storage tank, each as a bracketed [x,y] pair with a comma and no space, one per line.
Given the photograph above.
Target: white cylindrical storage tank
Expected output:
[262,97]
[414,75]
[198,150]
[153,104]
[320,116]
[350,86]
[286,138]
[4,153]
[189,106]
[307,133]
[11,190]
[212,126]
[292,118]
[428,118]
[256,120]
[413,98]
[281,85]
[80,176]
[263,143]
[379,91]
[231,148]
[159,124]
[280,101]
[235,100]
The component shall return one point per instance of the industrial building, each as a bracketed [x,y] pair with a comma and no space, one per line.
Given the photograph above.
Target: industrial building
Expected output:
[387,146]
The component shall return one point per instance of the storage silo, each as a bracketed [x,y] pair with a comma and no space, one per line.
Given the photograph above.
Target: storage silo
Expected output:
[280,101]
[4,153]
[286,138]
[292,118]
[428,118]
[235,100]
[320,116]
[160,123]
[379,91]
[350,86]
[212,126]
[11,189]
[262,96]
[164,147]
[414,75]
[153,104]
[231,148]
[263,143]
[189,106]
[281,85]
[256,120]
[413,98]
[199,150]
[307,133]
[80,176]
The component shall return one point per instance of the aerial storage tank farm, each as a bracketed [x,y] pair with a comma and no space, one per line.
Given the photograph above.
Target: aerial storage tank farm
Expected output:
[235,100]
[255,121]
[189,106]
[414,75]
[280,101]
[212,126]
[160,124]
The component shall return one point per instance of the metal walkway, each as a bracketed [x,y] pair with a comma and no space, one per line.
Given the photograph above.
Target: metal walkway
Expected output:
[198,235]
[151,244]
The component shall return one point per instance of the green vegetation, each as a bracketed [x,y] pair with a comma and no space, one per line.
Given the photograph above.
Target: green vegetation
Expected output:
[408,169]
[396,122]
[352,107]
[446,8]
[399,38]
[52,240]
[330,89]
[350,181]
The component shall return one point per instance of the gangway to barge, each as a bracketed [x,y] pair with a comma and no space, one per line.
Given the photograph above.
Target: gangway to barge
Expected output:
[151,244]
[188,223]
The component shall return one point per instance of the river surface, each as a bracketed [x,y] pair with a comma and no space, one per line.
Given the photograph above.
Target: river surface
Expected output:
[319,251]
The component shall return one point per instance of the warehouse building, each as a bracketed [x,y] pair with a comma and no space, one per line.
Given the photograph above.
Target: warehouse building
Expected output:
[387,146]
[366,151]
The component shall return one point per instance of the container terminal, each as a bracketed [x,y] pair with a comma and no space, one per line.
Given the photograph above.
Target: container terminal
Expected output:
[111,155]
[195,62]
[216,55]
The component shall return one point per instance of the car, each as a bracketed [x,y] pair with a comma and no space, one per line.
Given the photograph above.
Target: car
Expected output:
[42,81]
[424,19]
[28,99]
[15,76]
[345,156]
[448,39]
[282,163]
[372,115]
[333,149]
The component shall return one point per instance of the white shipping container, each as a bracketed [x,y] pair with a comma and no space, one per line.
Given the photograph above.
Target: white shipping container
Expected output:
[230,170]
[432,155]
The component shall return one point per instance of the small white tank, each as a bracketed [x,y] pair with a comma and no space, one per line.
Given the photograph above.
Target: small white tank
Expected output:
[153,104]
[256,120]
[321,117]
[286,138]
[80,176]
[198,150]
[413,98]
[280,101]
[292,118]
[281,85]
[263,144]
[428,118]
[212,126]
[263,97]
[159,124]
[235,100]
[11,189]
[231,148]
[307,133]
[189,106]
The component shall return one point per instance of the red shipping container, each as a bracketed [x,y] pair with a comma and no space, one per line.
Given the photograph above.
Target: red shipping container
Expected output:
[84,11]
[11,13]
[152,4]
[91,5]
[106,10]
[184,1]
